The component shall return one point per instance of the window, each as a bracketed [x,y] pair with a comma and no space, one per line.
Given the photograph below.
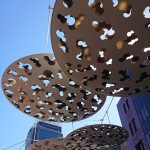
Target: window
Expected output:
[131,130]
[146,111]
[140,146]
[125,110]
[127,104]
[145,114]
[148,138]
[134,125]
[140,117]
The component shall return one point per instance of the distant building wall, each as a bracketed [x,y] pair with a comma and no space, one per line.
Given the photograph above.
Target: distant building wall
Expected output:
[135,117]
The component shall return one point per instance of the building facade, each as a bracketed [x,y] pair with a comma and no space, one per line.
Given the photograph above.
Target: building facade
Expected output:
[135,117]
[43,131]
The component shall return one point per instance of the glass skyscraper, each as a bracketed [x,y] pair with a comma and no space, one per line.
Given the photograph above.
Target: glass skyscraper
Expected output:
[135,117]
[43,131]
[142,106]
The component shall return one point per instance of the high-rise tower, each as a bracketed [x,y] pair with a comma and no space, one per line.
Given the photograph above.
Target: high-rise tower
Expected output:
[135,117]
[42,131]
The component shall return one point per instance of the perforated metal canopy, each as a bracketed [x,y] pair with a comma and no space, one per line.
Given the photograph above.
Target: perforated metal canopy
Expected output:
[103,45]
[96,137]
[50,144]
[37,86]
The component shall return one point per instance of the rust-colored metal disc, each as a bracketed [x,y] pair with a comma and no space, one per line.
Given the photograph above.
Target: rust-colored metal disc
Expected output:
[50,144]
[96,136]
[37,86]
[104,46]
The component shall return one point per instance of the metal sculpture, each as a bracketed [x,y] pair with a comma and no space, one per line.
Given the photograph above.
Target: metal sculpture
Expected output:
[104,45]
[95,52]
[50,144]
[37,86]
[96,137]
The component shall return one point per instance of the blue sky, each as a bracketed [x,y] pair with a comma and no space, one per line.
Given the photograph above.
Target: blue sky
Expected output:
[23,29]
